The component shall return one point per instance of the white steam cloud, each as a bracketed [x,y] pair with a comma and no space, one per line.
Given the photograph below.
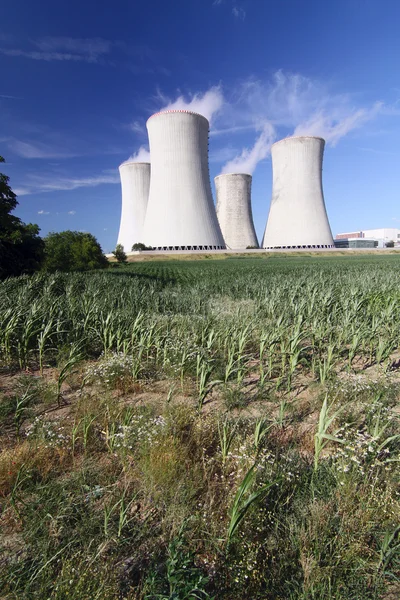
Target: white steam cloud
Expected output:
[303,105]
[291,104]
[142,155]
[247,161]
[331,129]
[207,104]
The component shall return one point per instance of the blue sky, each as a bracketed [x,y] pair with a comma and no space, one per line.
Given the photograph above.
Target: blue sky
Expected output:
[80,79]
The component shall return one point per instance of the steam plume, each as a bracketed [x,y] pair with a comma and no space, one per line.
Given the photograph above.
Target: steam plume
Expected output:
[207,104]
[331,129]
[142,155]
[250,157]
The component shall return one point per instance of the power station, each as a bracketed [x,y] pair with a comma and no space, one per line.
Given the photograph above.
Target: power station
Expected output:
[180,212]
[172,208]
[234,210]
[135,185]
[297,215]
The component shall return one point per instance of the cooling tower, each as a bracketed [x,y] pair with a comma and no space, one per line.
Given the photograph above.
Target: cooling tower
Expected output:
[135,183]
[234,210]
[297,215]
[180,213]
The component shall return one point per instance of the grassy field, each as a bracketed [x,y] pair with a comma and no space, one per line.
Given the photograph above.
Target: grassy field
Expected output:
[186,429]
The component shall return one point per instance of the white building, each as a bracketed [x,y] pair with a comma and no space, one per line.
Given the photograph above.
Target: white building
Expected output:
[135,184]
[297,215]
[382,235]
[180,212]
[234,210]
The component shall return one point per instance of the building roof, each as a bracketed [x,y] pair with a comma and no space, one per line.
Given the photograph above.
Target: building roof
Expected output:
[239,174]
[134,162]
[298,137]
[164,112]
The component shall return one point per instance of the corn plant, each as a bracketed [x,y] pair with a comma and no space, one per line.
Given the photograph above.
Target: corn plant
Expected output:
[22,404]
[226,432]
[325,367]
[203,375]
[322,437]
[244,500]
[121,508]
[389,549]
[260,431]
[75,356]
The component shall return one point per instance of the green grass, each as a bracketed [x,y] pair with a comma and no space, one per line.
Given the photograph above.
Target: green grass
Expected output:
[222,428]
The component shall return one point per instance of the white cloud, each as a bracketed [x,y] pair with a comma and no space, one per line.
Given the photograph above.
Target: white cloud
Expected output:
[7,97]
[37,150]
[292,103]
[207,104]
[230,130]
[90,47]
[239,12]
[89,50]
[138,59]
[332,128]
[72,212]
[281,105]
[46,56]
[43,212]
[137,127]
[248,160]
[142,155]
[304,105]
[39,184]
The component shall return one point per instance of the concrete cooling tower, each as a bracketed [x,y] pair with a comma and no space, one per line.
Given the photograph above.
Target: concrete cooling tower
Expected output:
[297,215]
[135,183]
[234,210]
[180,213]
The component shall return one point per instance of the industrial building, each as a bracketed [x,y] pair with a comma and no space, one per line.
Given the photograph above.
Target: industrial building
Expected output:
[180,212]
[234,210]
[355,242]
[297,216]
[135,185]
[382,236]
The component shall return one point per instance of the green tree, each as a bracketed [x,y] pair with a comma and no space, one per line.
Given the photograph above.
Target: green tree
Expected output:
[73,251]
[21,248]
[139,247]
[119,253]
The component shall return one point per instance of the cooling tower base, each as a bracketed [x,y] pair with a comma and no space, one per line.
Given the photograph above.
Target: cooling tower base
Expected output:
[304,246]
[169,248]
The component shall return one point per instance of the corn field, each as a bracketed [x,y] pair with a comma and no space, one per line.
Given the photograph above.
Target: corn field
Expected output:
[202,429]
[214,322]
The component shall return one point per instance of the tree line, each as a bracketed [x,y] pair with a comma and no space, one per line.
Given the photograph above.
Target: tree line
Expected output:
[23,251]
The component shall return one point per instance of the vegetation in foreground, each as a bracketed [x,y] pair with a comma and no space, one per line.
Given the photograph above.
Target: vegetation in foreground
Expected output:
[224,429]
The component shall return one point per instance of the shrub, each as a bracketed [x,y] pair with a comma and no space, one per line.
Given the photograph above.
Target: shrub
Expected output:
[139,247]
[119,253]
[73,251]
